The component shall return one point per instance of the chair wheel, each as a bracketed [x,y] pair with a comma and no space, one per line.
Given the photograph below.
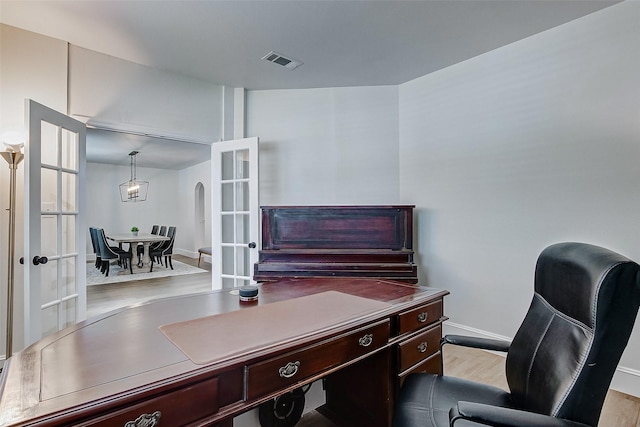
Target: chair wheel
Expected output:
[283,411]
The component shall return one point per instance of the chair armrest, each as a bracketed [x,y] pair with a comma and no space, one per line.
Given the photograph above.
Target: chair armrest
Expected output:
[505,417]
[483,343]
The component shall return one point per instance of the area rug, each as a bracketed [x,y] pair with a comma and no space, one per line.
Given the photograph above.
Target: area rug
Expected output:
[118,274]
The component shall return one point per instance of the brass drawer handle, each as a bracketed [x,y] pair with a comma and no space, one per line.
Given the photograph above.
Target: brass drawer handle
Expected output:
[145,420]
[289,370]
[422,317]
[422,347]
[366,340]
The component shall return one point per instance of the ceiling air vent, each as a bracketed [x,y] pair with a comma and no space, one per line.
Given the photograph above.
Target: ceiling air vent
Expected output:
[280,59]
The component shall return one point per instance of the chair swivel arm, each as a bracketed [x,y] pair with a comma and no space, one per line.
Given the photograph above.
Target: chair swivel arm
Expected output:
[474,342]
[505,417]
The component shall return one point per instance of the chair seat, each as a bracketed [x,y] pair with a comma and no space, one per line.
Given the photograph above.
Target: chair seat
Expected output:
[426,399]
[206,251]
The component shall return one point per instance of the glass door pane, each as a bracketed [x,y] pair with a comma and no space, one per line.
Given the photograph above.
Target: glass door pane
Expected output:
[236,211]
[55,277]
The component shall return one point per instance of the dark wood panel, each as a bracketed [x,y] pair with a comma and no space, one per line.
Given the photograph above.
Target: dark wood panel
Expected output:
[189,403]
[336,241]
[337,227]
[271,375]
[416,349]
[361,395]
[420,317]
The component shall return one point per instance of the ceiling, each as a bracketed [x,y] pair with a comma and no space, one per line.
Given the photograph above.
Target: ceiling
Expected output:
[341,43]
[112,147]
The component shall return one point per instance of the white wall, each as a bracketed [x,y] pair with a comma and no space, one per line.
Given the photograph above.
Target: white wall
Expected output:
[326,146]
[187,180]
[133,97]
[106,210]
[531,144]
[31,66]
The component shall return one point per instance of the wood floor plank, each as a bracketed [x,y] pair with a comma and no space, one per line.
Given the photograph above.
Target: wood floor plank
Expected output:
[111,296]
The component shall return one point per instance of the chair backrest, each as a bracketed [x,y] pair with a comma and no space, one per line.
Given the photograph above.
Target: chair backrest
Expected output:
[154,229]
[94,240]
[167,249]
[163,230]
[105,252]
[562,359]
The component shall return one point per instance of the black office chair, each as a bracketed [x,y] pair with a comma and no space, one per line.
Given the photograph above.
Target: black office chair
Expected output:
[560,362]
[108,253]
[164,250]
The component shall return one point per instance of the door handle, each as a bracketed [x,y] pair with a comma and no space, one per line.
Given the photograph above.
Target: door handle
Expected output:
[252,245]
[22,260]
[40,260]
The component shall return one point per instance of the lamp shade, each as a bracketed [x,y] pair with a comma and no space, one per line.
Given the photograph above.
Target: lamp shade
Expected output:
[134,190]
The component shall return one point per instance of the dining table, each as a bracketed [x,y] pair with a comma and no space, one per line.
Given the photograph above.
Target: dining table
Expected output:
[145,239]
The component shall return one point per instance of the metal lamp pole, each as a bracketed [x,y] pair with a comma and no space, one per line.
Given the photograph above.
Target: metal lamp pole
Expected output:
[13,158]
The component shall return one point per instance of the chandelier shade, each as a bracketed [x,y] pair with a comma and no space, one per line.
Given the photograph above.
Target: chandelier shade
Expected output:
[134,190]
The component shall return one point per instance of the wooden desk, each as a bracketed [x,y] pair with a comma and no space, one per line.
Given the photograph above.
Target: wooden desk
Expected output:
[142,238]
[120,366]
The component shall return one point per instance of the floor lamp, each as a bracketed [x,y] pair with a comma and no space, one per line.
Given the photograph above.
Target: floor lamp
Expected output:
[13,157]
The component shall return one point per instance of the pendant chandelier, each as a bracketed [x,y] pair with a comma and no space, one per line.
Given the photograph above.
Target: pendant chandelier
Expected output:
[134,190]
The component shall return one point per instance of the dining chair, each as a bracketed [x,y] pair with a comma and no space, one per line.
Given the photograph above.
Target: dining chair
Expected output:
[96,248]
[164,250]
[108,253]
[140,247]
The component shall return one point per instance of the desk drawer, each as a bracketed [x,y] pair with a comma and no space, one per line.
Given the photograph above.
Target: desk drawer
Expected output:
[171,409]
[420,317]
[419,348]
[277,373]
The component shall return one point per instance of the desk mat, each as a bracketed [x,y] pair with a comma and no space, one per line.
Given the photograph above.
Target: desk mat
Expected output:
[222,336]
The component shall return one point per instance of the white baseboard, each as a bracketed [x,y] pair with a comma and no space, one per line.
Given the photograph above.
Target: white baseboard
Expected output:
[192,254]
[625,380]
[185,252]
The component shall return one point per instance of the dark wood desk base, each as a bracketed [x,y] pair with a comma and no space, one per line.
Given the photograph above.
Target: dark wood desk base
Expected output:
[118,369]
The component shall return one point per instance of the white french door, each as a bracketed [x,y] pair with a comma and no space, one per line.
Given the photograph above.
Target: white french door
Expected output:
[55,254]
[236,212]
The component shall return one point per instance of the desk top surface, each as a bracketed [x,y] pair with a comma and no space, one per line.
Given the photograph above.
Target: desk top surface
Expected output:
[125,350]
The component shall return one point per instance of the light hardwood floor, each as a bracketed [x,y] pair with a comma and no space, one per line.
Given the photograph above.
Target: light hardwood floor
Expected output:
[104,298]
[620,410]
